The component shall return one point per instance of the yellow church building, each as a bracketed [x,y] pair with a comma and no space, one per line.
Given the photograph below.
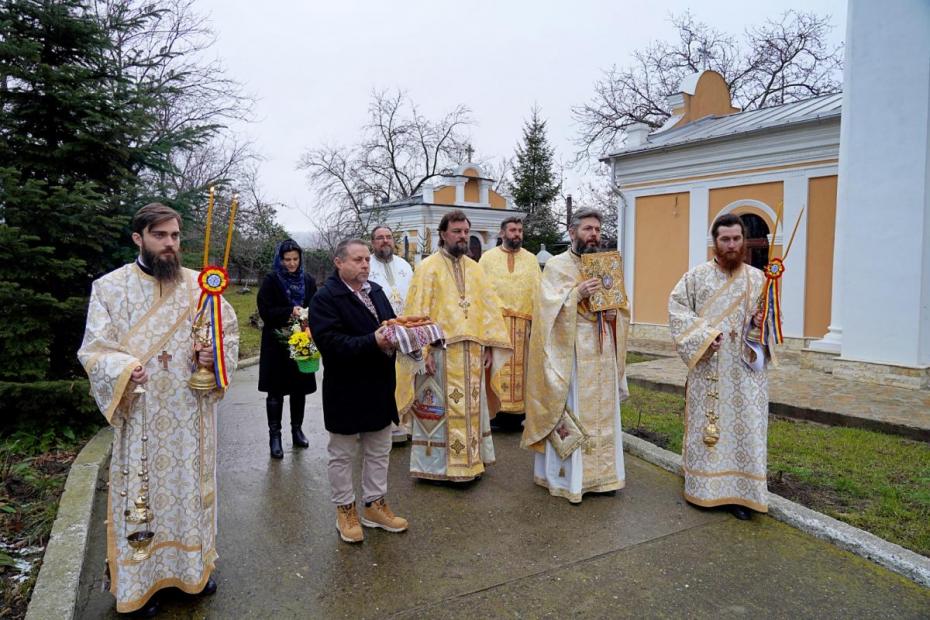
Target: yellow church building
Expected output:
[415,220]
[709,159]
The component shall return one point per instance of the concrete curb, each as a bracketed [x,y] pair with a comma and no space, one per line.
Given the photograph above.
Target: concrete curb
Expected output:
[249,361]
[56,591]
[869,546]
[796,412]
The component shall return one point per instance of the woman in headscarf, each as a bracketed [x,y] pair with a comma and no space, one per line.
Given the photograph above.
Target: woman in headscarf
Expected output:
[284,292]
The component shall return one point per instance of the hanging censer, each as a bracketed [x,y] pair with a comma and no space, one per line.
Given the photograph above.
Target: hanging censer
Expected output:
[711,433]
[140,514]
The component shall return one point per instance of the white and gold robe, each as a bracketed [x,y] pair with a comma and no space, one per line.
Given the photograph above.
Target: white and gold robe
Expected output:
[705,303]
[132,321]
[567,370]
[394,277]
[449,409]
[515,277]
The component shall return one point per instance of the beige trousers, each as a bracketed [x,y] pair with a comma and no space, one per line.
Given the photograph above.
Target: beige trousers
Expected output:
[376,452]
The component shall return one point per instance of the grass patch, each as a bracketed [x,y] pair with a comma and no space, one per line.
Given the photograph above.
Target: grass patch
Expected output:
[873,481]
[635,357]
[34,465]
[250,336]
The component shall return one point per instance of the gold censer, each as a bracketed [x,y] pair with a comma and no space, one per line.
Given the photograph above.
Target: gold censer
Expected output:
[711,433]
[141,513]
[203,378]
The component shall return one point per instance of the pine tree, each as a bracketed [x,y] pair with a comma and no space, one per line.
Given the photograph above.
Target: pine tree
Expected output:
[534,187]
[97,102]
[65,157]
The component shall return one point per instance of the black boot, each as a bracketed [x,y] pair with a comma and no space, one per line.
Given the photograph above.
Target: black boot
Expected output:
[740,512]
[210,588]
[275,405]
[150,610]
[297,419]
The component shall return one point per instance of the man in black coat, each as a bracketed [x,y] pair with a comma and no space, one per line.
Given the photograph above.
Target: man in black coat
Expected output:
[358,388]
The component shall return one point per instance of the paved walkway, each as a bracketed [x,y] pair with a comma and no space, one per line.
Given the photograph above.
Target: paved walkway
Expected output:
[809,394]
[502,547]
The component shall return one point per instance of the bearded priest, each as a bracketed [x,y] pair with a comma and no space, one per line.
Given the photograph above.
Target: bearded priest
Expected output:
[514,273]
[712,312]
[576,378]
[139,334]
[449,408]
[393,273]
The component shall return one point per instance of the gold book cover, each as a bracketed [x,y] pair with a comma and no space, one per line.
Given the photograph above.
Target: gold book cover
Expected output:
[608,268]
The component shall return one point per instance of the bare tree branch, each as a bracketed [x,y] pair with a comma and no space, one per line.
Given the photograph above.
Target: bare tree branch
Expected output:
[399,150]
[782,60]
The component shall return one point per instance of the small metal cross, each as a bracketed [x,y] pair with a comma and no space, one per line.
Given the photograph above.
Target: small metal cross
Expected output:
[164,358]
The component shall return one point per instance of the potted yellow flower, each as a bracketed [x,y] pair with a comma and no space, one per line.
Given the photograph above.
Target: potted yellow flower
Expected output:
[300,343]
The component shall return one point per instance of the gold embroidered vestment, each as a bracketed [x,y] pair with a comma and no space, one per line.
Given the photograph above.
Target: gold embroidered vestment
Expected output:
[450,424]
[515,277]
[568,368]
[132,321]
[706,303]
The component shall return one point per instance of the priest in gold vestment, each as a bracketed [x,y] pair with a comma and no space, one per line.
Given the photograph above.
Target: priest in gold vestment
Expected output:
[711,312]
[139,334]
[515,274]
[448,409]
[576,378]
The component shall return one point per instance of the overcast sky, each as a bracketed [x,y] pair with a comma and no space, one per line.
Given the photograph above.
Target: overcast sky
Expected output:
[313,65]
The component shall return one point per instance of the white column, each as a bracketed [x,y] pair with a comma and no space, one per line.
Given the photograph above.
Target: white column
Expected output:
[698,225]
[460,191]
[832,342]
[792,284]
[882,266]
[628,232]
[483,192]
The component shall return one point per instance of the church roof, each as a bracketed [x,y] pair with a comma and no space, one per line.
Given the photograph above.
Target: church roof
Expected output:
[817,109]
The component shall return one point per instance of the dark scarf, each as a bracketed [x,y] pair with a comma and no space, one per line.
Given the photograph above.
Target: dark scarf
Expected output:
[291,283]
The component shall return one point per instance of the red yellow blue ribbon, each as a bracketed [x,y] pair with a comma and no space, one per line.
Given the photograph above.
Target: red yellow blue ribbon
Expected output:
[213,281]
[771,306]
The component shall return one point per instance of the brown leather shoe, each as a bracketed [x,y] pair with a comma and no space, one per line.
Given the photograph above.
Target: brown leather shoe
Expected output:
[347,524]
[379,514]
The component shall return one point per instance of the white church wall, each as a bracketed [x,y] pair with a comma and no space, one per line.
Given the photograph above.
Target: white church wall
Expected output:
[884,184]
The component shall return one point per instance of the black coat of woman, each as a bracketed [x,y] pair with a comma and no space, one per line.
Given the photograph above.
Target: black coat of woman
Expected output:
[359,379]
[277,372]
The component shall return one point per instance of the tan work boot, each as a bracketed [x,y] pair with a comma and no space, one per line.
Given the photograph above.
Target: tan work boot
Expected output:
[379,514]
[347,524]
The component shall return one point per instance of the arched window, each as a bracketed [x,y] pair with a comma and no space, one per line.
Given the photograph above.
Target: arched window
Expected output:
[757,240]
[474,248]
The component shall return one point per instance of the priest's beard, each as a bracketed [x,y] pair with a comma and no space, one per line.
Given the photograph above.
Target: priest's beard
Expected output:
[513,244]
[580,246]
[729,261]
[458,249]
[166,267]
[384,254]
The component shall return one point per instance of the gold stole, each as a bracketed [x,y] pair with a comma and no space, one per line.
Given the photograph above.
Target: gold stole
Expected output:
[713,314]
[157,326]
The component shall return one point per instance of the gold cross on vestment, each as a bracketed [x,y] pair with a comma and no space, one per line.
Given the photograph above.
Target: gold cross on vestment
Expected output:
[164,358]
[464,304]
